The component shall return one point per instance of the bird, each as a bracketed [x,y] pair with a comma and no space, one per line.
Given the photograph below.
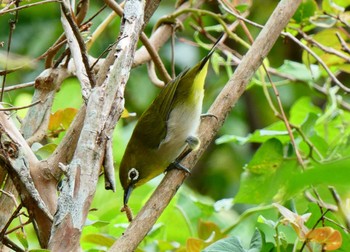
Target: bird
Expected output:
[165,129]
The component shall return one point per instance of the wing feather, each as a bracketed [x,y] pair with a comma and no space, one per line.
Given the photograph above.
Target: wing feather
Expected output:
[153,122]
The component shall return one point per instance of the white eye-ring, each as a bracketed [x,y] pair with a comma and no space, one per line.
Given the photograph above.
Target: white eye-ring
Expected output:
[133,174]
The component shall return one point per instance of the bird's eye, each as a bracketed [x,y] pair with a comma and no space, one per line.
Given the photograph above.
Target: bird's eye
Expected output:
[133,174]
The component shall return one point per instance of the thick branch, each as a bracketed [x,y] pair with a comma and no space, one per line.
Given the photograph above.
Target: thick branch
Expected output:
[21,164]
[223,104]
[103,109]
[35,123]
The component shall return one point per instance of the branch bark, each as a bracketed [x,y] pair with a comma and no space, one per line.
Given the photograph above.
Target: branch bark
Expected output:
[103,109]
[21,163]
[223,104]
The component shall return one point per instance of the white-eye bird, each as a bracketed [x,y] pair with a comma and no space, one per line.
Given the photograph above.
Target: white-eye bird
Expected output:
[165,128]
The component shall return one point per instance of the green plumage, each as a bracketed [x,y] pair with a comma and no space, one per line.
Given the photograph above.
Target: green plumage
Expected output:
[161,132]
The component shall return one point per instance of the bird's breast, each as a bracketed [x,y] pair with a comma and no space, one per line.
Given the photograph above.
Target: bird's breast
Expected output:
[183,122]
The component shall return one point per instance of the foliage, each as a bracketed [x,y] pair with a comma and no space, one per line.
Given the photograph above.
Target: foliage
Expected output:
[291,162]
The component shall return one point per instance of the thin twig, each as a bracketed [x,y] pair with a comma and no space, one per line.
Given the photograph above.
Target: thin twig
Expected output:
[217,17]
[282,114]
[8,5]
[320,202]
[313,227]
[12,24]
[18,227]
[173,73]
[102,26]
[28,6]
[324,48]
[153,53]
[285,120]
[10,195]
[82,50]
[306,48]
[337,17]
[21,107]
[344,45]
[338,201]
[10,244]
[19,86]
[155,58]
[13,216]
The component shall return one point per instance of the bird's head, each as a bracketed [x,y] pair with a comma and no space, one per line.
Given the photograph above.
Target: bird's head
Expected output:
[129,178]
[132,174]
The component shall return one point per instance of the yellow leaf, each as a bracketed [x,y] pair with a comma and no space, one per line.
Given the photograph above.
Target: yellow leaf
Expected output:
[329,237]
[194,245]
[61,119]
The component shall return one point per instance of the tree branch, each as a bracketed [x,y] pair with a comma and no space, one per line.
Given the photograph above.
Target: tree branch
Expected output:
[21,163]
[161,36]
[103,109]
[78,50]
[223,104]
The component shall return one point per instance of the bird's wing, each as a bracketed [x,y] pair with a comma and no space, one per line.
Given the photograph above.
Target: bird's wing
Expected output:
[153,121]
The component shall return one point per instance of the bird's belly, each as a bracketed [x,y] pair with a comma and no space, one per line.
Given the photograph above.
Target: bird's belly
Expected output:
[183,122]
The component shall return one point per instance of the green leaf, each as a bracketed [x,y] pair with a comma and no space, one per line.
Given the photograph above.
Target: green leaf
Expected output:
[324,21]
[45,151]
[336,173]
[242,7]
[328,38]
[330,6]
[301,110]
[231,244]
[216,60]
[97,223]
[267,159]
[305,10]
[165,245]
[342,3]
[232,138]
[300,71]
[264,175]
[22,238]
[256,242]
[99,239]
[276,130]
[308,126]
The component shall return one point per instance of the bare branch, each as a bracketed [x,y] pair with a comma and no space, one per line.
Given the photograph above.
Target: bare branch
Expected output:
[35,123]
[78,50]
[19,86]
[21,107]
[103,109]
[324,48]
[344,46]
[223,104]
[161,36]
[21,163]
[4,11]
[153,53]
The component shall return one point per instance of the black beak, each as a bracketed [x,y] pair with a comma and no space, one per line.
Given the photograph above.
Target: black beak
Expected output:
[127,193]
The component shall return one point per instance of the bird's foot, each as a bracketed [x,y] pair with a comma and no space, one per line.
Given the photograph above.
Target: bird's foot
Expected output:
[176,165]
[193,143]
